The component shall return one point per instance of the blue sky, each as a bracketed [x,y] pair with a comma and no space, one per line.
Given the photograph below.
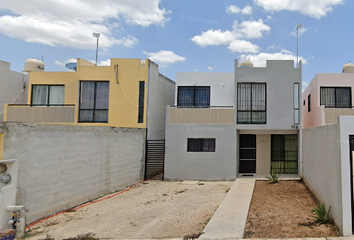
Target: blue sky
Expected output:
[179,35]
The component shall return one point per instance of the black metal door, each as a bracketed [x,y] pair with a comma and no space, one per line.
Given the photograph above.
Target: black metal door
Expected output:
[155,159]
[247,153]
[351,149]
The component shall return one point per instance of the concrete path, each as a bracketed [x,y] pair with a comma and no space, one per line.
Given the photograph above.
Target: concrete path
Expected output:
[230,218]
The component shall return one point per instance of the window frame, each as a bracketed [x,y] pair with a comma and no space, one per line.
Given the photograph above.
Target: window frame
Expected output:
[194,98]
[201,141]
[48,97]
[335,97]
[141,101]
[94,101]
[284,139]
[309,103]
[252,111]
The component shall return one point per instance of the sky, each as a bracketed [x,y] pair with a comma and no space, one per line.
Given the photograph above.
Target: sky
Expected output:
[179,35]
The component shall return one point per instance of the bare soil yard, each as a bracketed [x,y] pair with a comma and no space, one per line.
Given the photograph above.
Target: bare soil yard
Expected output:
[151,210]
[284,210]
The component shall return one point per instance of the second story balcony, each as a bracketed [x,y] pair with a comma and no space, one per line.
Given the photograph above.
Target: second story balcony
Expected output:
[331,113]
[39,114]
[201,115]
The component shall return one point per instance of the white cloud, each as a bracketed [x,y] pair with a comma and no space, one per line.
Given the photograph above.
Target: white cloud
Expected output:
[196,70]
[214,37]
[164,57]
[236,39]
[259,60]
[55,23]
[243,46]
[251,29]
[314,8]
[210,68]
[247,10]
[272,47]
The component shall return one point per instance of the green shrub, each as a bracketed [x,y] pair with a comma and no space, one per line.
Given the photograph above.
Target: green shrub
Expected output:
[321,215]
[273,178]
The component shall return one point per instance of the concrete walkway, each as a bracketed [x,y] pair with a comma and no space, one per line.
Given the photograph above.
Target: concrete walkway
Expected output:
[230,218]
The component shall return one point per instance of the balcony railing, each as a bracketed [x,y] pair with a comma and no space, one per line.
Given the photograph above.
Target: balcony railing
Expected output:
[64,113]
[201,115]
[332,113]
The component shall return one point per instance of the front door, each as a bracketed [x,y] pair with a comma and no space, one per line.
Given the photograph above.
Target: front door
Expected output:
[247,153]
[351,154]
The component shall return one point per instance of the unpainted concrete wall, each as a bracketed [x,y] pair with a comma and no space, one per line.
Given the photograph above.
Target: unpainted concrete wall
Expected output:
[62,166]
[322,167]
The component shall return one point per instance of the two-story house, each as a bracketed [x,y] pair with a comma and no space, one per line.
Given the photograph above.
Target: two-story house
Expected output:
[245,122]
[328,96]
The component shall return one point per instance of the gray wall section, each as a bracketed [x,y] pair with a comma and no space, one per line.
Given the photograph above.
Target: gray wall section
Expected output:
[322,168]
[62,166]
[11,87]
[160,93]
[280,77]
[218,165]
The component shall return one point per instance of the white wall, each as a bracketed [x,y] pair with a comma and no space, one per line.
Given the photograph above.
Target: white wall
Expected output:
[161,92]
[11,87]
[221,86]
[322,169]
[62,166]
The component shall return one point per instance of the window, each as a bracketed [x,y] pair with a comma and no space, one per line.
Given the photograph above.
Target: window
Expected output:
[201,145]
[309,103]
[296,104]
[141,102]
[251,103]
[47,95]
[284,153]
[94,97]
[193,96]
[336,97]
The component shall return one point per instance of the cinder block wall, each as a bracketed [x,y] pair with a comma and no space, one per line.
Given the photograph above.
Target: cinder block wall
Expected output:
[62,166]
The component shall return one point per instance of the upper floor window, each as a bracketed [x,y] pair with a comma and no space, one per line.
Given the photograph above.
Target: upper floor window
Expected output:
[193,96]
[336,97]
[47,95]
[94,98]
[251,103]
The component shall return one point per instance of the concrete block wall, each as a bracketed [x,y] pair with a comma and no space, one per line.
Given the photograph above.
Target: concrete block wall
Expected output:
[62,166]
[322,168]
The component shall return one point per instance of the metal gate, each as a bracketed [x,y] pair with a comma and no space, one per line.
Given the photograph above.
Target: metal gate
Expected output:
[154,159]
[247,153]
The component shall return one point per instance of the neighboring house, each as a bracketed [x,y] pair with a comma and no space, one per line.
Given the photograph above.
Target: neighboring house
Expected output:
[229,124]
[327,96]
[12,86]
[129,93]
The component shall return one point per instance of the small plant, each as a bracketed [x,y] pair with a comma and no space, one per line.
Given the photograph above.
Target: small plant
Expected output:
[322,216]
[273,178]
[84,236]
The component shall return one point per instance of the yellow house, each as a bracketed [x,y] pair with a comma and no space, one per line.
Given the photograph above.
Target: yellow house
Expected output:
[129,93]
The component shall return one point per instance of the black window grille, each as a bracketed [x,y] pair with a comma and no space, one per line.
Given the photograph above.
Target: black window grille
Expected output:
[201,145]
[251,103]
[193,96]
[47,95]
[141,101]
[94,98]
[309,103]
[336,97]
[284,153]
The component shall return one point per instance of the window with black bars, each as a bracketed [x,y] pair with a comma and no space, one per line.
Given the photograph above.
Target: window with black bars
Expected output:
[201,145]
[251,103]
[193,96]
[336,97]
[309,103]
[47,95]
[141,101]
[284,153]
[94,99]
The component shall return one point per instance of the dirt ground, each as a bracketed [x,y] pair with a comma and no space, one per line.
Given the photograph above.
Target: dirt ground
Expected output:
[151,210]
[284,210]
